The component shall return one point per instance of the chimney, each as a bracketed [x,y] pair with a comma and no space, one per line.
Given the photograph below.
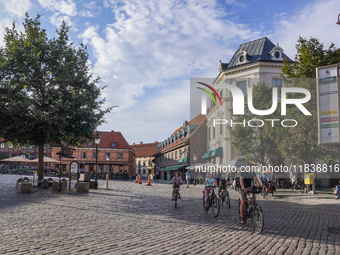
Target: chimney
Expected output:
[141,143]
[134,144]
[156,141]
[112,131]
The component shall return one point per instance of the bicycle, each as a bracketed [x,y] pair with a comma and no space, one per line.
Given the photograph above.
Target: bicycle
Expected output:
[176,194]
[213,202]
[267,189]
[253,210]
[224,198]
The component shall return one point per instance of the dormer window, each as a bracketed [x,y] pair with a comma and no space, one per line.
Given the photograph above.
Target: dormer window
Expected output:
[242,57]
[276,53]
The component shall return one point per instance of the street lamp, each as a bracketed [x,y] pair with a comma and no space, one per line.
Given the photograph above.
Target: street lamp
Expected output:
[96,141]
[338,19]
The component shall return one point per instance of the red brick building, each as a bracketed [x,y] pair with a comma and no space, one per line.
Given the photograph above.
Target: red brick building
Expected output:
[176,152]
[115,155]
[28,151]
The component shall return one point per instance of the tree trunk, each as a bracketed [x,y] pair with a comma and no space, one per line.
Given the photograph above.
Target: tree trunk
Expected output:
[41,163]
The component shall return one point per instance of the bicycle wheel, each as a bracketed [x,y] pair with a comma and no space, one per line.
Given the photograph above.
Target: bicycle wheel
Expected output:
[227,199]
[257,219]
[238,209]
[176,198]
[215,206]
[204,208]
[220,200]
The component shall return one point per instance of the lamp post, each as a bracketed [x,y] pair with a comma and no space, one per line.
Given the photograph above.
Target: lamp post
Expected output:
[107,173]
[338,23]
[96,141]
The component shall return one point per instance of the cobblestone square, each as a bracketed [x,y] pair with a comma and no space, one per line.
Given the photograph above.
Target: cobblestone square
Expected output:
[136,219]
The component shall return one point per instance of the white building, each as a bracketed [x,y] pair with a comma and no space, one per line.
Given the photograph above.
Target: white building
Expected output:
[254,62]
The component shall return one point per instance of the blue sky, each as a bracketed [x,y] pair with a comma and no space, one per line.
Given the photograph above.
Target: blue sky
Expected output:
[147,51]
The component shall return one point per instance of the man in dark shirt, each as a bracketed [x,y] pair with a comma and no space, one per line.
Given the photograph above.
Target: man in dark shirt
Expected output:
[246,178]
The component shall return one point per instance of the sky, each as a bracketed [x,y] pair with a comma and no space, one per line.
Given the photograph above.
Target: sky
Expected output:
[145,52]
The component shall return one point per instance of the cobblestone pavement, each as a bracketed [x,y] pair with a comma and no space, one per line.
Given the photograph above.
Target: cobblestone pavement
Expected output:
[137,219]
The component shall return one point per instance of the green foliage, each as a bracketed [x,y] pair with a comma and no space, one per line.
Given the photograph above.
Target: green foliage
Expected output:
[258,144]
[300,145]
[46,91]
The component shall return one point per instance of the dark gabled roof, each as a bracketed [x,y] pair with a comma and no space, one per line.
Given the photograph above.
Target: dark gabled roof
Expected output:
[258,50]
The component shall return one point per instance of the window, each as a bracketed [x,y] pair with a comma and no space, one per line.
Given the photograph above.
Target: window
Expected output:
[221,94]
[94,155]
[172,155]
[209,134]
[10,146]
[83,155]
[243,86]
[114,144]
[214,131]
[241,58]
[31,156]
[31,147]
[175,154]
[89,144]
[150,163]
[277,54]
[119,155]
[144,171]
[221,129]
[277,82]
[144,164]
[2,145]
[107,155]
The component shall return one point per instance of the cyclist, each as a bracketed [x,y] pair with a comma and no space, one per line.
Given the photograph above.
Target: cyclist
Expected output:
[176,180]
[209,184]
[246,177]
[237,182]
[264,180]
[223,184]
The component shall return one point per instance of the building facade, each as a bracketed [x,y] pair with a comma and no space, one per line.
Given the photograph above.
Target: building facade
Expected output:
[115,156]
[175,152]
[144,158]
[254,62]
[29,151]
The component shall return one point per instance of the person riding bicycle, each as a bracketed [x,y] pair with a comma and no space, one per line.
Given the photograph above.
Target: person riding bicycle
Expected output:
[246,177]
[177,180]
[209,184]
[223,183]
[263,179]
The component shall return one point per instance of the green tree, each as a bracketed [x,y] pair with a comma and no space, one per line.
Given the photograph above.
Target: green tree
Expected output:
[258,144]
[47,93]
[300,145]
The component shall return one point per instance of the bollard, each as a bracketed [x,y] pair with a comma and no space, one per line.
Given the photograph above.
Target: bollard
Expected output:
[107,181]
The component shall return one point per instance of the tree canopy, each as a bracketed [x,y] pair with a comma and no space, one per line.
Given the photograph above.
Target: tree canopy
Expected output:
[47,92]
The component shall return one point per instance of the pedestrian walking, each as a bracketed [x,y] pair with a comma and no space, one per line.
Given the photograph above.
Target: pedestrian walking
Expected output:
[187,176]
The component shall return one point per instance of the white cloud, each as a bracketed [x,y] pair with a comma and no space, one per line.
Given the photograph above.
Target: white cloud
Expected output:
[67,7]
[154,44]
[15,8]
[12,11]
[57,19]
[315,20]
